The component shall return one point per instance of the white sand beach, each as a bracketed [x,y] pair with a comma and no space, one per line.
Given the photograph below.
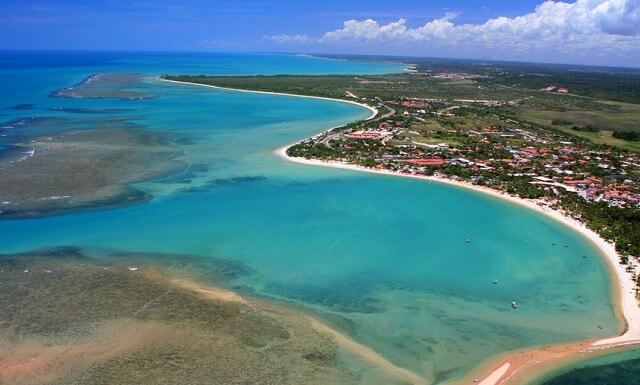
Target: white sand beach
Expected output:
[513,366]
[502,372]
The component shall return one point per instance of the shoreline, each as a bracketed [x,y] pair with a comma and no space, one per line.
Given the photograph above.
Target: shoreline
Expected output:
[521,365]
[510,368]
[373,110]
[362,352]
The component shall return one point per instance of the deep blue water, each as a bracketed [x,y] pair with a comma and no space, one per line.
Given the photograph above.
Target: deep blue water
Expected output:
[619,368]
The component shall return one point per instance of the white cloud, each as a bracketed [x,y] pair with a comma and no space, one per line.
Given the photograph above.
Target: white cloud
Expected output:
[284,38]
[585,24]
[368,30]
[619,17]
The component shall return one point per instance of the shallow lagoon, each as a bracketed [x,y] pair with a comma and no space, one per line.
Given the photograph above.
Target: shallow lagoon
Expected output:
[383,258]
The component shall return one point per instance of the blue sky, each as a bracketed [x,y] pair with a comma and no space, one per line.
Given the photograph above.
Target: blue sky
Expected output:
[587,31]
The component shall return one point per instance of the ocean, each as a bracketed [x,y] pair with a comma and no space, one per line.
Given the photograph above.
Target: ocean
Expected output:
[381,258]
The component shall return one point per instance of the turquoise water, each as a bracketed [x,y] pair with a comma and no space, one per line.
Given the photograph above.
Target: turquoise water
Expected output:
[382,258]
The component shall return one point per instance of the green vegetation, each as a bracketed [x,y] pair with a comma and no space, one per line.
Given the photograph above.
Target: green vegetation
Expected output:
[616,117]
[619,225]
[394,86]
[625,118]
[522,141]
[561,122]
[587,128]
[619,84]
[627,135]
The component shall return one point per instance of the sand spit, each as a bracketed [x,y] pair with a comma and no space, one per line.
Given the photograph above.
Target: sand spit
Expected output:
[358,350]
[211,292]
[367,354]
[373,110]
[68,320]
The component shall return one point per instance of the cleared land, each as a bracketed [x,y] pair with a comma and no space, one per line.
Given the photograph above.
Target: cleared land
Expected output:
[626,117]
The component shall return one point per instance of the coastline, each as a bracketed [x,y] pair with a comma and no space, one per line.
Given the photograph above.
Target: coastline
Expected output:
[513,367]
[362,352]
[374,111]
[521,365]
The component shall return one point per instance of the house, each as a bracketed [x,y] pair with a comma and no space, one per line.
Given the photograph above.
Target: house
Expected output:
[563,90]
[374,135]
[435,162]
[550,88]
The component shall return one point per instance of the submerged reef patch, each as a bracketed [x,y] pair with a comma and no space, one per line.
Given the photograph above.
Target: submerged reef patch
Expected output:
[22,106]
[80,110]
[106,85]
[69,319]
[220,182]
[81,169]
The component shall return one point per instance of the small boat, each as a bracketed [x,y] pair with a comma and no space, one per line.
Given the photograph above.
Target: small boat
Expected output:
[514,305]
[495,281]
[467,240]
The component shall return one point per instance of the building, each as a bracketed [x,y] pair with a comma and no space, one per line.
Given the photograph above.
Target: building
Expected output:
[435,162]
[373,135]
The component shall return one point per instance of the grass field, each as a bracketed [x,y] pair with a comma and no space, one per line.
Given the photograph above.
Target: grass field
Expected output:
[626,117]
[601,137]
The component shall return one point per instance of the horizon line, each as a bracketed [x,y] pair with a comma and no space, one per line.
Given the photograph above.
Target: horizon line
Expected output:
[320,55]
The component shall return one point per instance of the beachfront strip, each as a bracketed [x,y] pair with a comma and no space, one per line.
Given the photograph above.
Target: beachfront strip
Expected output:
[475,141]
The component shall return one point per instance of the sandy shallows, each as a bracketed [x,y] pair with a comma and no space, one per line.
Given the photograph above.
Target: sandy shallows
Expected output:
[68,320]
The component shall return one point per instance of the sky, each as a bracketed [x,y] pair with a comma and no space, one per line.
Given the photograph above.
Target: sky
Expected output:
[598,32]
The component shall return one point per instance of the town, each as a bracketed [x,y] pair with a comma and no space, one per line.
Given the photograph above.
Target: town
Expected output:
[476,141]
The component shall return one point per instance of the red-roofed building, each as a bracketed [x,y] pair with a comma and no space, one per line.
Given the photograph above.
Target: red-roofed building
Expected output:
[436,162]
[367,135]
[531,151]
[413,103]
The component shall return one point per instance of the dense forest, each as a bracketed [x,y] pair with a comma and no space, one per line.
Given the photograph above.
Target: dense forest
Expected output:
[620,225]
